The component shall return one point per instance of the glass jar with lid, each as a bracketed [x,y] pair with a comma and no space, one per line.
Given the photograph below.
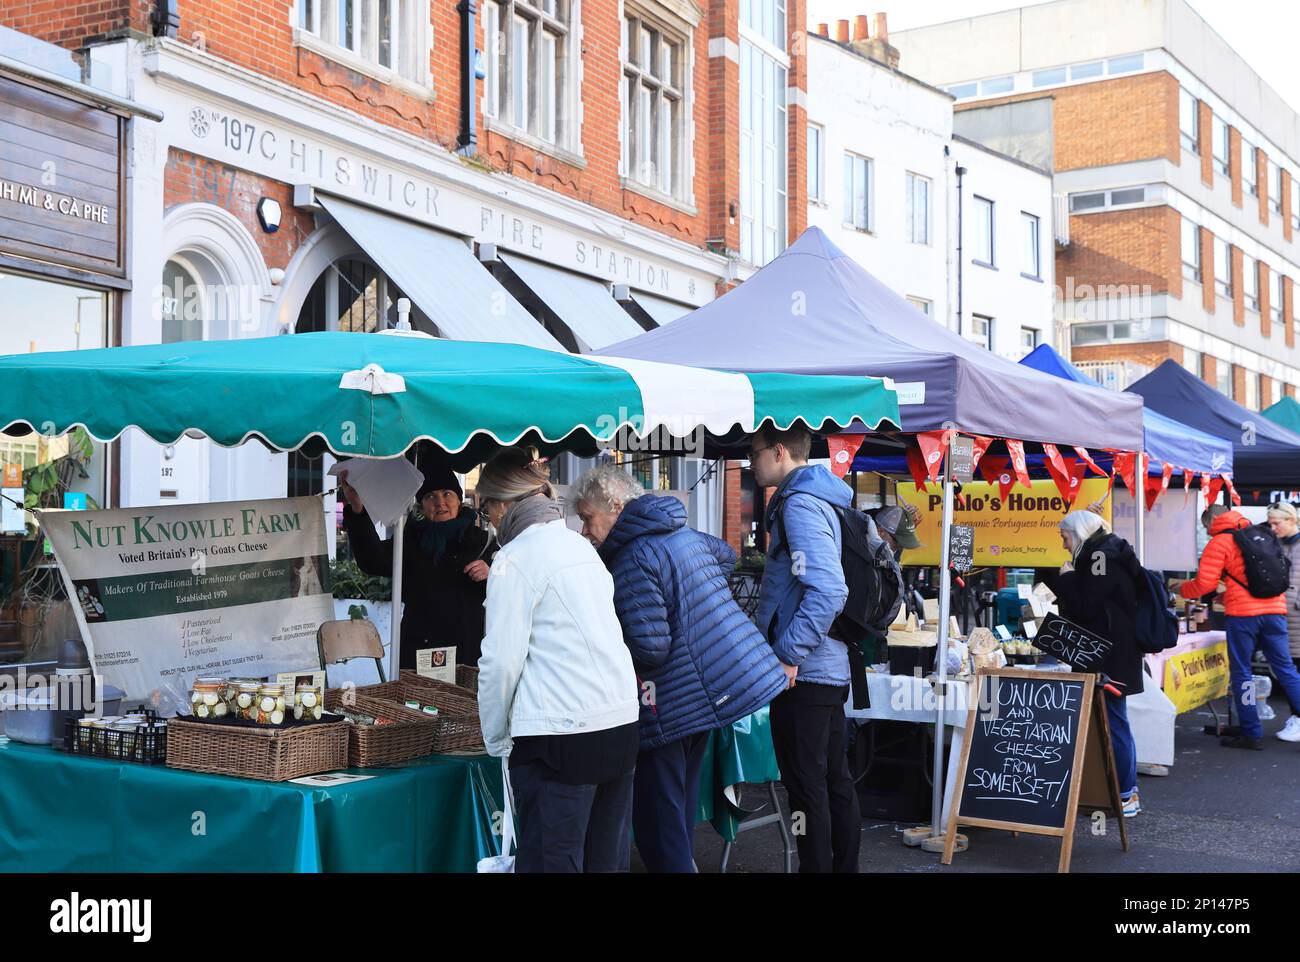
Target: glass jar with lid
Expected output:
[246,698]
[270,704]
[207,697]
[308,702]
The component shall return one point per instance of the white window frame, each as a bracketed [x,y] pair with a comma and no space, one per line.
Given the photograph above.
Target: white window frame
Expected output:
[1192,269]
[817,164]
[919,192]
[850,212]
[985,340]
[1221,164]
[984,235]
[1223,272]
[1273,173]
[529,106]
[1194,357]
[316,27]
[1034,339]
[1276,292]
[1220,367]
[922,304]
[1249,180]
[1295,201]
[1032,225]
[642,138]
[763,231]
[1190,139]
[1250,282]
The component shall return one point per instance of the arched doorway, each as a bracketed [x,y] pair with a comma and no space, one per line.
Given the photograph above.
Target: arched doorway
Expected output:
[214,285]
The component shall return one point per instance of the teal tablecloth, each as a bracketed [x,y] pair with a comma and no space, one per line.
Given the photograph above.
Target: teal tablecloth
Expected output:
[64,813]
[741,753]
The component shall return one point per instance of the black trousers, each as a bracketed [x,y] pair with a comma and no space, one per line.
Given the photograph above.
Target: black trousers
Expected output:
[571,828]
[808,733]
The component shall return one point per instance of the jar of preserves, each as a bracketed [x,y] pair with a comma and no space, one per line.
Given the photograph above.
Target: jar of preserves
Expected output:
[246,698]
[270,704]
[207,698]
[308,702]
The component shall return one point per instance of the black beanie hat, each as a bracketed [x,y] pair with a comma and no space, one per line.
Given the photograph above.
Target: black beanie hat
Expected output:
[439,477]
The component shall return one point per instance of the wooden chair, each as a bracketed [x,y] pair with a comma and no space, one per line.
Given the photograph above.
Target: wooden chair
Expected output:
[338,642]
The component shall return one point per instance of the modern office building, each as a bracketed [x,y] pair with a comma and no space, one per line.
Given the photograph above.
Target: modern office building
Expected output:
[1179,168]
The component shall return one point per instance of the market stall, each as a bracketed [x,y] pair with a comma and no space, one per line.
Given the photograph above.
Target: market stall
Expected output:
[367,396]
[1265,454]
[813,310]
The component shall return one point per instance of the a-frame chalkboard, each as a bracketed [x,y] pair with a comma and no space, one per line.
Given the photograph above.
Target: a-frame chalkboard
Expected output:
[1037,752]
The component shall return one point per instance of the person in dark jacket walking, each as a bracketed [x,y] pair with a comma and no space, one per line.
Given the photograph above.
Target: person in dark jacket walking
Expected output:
[700,662]
[445,558]
[1097,589]
[802,593]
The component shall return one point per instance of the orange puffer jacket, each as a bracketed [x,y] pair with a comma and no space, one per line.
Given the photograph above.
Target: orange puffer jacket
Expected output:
[1221,561]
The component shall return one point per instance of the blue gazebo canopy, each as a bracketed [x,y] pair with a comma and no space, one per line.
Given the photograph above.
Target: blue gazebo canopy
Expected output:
[1166,441]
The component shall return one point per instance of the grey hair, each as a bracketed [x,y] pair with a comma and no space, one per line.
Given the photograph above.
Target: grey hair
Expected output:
[1079,526]
[606,486]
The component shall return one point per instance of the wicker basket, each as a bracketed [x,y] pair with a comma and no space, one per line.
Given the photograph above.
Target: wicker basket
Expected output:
[457,727]
[460,691]
[268,754]
[467,677]
[409,735]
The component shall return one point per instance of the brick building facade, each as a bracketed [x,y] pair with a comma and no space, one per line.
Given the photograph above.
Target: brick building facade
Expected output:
[610,139]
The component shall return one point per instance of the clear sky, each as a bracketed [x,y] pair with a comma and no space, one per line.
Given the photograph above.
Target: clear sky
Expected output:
[1264,32]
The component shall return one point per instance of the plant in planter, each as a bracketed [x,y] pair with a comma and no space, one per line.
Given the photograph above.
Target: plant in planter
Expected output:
[351,583]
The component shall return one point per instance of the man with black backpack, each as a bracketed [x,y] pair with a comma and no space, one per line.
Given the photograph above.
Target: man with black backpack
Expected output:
[804,590]
[1257,571]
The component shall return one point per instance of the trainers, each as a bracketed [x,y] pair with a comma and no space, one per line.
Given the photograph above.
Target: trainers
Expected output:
[1241,741]
[1132,805]
[1291,730]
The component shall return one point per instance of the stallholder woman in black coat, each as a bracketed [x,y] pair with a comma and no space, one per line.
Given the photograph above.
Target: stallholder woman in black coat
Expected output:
[1097,589]
[444,569]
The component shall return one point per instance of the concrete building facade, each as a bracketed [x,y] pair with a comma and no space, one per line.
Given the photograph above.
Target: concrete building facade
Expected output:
[1176,167]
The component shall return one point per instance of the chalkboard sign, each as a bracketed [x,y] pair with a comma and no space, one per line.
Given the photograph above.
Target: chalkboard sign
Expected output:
[963,459]
[961,547]
[1079,648]
[1021,763]
[1033,740]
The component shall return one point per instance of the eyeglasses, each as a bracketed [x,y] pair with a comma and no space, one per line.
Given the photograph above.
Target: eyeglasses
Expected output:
[755,452]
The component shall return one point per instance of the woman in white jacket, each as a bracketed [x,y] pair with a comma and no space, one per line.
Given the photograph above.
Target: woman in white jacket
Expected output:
[557,690]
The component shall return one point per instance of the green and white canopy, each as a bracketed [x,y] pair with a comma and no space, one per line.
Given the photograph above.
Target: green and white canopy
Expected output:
[374,395]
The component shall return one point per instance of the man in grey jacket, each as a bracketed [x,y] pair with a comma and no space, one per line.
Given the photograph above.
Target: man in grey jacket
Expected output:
[802,594]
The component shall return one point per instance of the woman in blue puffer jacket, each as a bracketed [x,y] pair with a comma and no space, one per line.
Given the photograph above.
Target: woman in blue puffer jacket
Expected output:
[700,662]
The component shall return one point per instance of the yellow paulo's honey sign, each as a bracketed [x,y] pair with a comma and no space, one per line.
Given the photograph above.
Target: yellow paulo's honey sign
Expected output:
[1018,531]
[1193,678]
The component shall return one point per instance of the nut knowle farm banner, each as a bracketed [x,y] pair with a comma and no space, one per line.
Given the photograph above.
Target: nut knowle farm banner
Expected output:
[167,593]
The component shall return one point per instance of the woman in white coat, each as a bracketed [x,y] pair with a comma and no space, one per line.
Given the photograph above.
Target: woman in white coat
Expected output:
[557,690]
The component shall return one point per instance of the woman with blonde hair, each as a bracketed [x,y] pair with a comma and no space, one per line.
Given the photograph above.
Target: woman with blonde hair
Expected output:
[557,690]
[1097,589]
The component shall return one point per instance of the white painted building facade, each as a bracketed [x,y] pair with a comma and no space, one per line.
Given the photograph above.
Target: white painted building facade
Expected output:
[883,185]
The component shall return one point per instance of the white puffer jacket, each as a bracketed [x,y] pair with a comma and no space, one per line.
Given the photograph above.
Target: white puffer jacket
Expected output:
[554,661]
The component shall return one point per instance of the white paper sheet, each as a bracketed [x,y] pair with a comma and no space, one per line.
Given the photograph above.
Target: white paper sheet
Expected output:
[386,486]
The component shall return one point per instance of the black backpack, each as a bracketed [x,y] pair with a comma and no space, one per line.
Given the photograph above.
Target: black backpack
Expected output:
[871,573]
[1268,569]
[1155,627]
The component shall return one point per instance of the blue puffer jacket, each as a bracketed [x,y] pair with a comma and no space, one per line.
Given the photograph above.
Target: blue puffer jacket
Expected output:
[707,662]
[803,588]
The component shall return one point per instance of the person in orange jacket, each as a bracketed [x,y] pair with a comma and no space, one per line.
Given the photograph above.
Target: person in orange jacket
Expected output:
[1251,622]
